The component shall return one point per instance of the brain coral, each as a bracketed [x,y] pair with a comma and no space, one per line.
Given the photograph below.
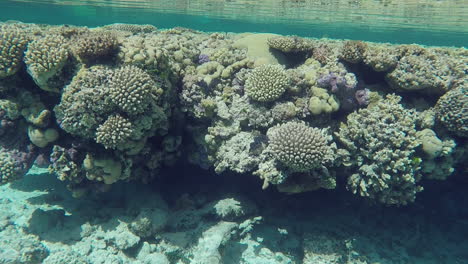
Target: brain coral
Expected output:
[298,146]
[266,83]
[452,111]
[381,141]
[45,57]
[132,89]
[114,132]
[12,45]
[95,45]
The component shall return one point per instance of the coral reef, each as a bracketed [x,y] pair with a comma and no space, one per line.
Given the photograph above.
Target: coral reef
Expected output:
[419,69]
[94,46]
[115,131]
[13,42]
[122,102]
[451,111]
[353,51]
[45,58]
[131,89]
[298,146]
[290,44]
[266,83]
[133,28]
[381,141]
[14,164]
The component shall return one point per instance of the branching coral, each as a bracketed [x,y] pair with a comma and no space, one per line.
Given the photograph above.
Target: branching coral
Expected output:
[353,51]
[381,141]
[15,163]
[84,103]
[290,44]
[452,111]
[132,89]
[266,83]
[134,28]
[94,45]
[114,132]
[12,45]
[298,146]
[45,58]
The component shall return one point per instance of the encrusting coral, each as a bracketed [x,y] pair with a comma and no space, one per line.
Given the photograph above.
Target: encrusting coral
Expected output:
[266,83]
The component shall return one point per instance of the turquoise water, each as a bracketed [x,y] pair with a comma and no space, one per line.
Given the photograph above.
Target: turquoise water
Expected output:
[424,22]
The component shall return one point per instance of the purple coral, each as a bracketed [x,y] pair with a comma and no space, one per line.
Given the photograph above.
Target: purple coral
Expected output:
[347,93]
[334,82]
[203,58]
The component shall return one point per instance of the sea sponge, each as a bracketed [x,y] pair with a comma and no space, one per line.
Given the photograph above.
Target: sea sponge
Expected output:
[452,111]
[298,146]
[381,141]
[289,44]
[45,58]
[114,132]
[12,45]
[94,46]
[353,51]
[266,83]
[132,89]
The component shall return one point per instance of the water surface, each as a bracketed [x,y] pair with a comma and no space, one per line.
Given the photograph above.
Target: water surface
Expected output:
[397,21]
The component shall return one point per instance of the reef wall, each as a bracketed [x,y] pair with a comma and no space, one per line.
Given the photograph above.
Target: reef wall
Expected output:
[120,102]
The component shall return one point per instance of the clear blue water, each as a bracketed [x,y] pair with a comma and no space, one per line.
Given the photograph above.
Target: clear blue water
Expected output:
[416,21]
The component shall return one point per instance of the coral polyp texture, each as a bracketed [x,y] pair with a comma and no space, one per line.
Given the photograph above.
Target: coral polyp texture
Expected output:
[452,111]
[353,51]
[131,89]
[266,83]
[381,142]
[124,102]
[298,146]
[114,132]
[13,42]
[93,46]
[45,58]
[290,44]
